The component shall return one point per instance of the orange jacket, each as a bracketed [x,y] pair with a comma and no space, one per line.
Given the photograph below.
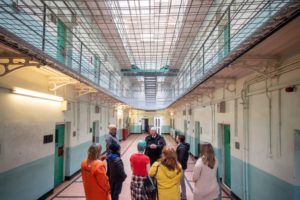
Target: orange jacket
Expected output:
[95,181]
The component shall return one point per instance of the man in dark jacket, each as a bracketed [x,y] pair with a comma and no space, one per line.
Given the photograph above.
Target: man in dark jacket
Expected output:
[182,152]
[117,174]
[111,138]
[155,144]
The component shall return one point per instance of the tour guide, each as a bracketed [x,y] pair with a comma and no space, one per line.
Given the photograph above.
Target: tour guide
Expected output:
[155,144]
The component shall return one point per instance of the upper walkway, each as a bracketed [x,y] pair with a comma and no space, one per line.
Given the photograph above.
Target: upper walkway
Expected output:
[73,189]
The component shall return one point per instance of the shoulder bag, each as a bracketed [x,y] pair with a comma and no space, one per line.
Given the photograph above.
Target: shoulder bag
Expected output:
[150,186]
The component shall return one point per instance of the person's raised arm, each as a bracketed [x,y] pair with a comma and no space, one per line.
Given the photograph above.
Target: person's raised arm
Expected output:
[161,143]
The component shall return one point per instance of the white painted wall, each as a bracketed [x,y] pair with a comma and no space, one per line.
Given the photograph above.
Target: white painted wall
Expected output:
[25,120]
[137,115]
[279,160]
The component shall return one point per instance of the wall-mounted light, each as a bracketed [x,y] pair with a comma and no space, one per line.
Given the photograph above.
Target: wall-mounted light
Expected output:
[171,114]
[36,94]
[65,105]
[119,113]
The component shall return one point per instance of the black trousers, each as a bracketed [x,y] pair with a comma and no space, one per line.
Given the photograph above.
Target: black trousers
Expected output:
[107,172]
[115,190]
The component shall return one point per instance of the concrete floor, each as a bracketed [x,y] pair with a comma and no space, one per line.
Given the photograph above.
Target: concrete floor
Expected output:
[73,189]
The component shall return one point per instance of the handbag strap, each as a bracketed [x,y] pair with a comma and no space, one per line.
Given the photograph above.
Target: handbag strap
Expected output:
[156,171]
[156,181]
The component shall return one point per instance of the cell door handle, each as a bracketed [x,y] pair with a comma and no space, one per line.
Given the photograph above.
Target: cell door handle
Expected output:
[60,151]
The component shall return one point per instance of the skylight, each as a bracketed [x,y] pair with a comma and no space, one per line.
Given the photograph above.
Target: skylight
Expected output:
[149,29]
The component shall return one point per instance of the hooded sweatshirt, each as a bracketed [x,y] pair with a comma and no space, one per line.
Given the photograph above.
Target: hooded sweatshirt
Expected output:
[168,181]
[182,152]
[95,181]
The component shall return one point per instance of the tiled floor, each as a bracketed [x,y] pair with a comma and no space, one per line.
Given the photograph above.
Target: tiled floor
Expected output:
[73,189]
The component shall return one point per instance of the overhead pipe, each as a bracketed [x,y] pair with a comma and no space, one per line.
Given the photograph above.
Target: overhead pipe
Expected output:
[245,103]
[269,97]
[213,116]
[279,122]
[236,119]
[78,118]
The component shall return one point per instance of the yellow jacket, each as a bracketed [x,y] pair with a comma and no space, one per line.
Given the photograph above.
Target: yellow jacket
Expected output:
[168,182]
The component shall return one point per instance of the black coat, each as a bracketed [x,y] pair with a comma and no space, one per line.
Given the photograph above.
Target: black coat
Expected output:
[182,152]
[154,154]
[116,169]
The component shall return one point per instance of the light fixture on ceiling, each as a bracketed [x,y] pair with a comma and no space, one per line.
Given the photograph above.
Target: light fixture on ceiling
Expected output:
[41,95]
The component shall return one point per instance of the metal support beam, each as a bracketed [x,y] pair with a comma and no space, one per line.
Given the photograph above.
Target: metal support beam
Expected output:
[11,64]
[58,82]
[83,89]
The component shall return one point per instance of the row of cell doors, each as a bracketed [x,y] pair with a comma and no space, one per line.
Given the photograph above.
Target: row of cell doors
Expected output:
[224,137]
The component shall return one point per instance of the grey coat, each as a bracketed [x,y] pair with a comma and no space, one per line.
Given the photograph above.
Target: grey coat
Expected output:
[109,140]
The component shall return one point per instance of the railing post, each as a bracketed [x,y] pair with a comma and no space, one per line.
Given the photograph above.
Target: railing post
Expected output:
[190,74]
[80,57]
[203,62]
[229,28]
[99,72]
[44,27]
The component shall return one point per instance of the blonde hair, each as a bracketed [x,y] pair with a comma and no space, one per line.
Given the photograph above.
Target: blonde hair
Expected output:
[208,155]
[94,152]
[169,159]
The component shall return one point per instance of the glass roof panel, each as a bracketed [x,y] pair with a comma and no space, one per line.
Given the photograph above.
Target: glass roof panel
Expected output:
[148,29]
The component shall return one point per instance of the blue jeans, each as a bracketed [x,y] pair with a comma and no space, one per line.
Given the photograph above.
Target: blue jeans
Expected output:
[182,184]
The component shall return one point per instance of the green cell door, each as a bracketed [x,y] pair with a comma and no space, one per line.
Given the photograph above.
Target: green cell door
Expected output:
[59,154]
[61,42]
[227,156]
[197,138]
[185,128]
